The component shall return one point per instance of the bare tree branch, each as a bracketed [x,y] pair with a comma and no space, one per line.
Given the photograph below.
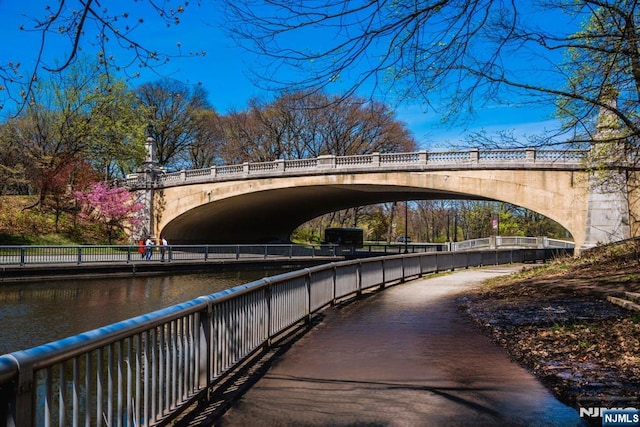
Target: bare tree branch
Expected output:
[454,55]
[91,24]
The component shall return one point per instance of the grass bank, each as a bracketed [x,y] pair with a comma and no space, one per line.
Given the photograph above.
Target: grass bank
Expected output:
[556,321]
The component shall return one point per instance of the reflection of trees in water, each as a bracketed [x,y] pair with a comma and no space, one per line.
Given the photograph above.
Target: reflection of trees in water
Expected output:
[44,312]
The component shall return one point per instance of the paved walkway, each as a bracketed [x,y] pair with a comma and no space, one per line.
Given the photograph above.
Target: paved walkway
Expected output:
[402,357]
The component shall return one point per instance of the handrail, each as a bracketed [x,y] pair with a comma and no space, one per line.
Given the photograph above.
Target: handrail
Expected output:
[24,256]
[143,371]
[419,160]
[131,254]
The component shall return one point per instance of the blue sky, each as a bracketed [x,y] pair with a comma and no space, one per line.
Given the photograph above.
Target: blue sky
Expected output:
[225,69]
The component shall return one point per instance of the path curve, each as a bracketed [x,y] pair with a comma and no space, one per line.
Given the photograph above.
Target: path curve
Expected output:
[402,357]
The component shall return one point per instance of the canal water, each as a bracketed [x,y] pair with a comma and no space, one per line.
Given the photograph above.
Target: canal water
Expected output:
[35,313]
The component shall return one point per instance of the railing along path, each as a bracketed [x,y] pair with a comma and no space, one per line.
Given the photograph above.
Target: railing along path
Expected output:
[146,370]
[24,256]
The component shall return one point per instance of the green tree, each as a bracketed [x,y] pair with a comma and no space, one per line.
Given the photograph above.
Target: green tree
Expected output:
[13,173]
[118,129]
[77,118]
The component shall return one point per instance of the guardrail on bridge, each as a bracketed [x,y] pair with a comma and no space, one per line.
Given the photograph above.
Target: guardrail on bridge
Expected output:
[146,370]
[474,158]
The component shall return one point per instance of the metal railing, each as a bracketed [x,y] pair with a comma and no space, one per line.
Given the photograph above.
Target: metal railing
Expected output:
[495,242]
[32,255]
[146,370]
[419,160]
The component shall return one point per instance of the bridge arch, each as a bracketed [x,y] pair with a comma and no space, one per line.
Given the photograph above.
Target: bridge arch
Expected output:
[270,208]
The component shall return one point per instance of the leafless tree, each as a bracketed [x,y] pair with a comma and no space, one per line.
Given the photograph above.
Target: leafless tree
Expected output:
[175,116]
[78,25]
[456,55]
[302,125]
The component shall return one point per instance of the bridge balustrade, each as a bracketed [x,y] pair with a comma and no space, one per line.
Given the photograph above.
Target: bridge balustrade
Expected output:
[384,161]
[503,155]
[295,164]
[449,156]
[560,155]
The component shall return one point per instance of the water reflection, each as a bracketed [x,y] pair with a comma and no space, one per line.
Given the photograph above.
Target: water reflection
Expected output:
[37,313]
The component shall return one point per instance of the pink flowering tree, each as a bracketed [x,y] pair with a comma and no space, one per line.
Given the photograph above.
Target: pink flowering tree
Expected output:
[114,208]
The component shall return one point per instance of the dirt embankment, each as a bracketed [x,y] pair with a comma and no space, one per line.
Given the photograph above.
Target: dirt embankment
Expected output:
[556,321]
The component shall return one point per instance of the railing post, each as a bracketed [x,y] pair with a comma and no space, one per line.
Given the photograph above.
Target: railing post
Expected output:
[24,396]
[245,168]
[280,165]
[214,171]
[23,254]
[237,252]
[474,155]
[183,175]
[326,162]
[531,155]
[375,160]
[79,255]
[204,344]
[542,242]
[423,157]
[334,277]
[267,296]
[307,284]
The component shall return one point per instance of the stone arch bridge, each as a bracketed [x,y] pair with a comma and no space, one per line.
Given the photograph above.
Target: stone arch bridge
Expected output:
[264,202]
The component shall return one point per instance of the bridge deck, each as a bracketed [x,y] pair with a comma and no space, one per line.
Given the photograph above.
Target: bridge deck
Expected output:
[404,356]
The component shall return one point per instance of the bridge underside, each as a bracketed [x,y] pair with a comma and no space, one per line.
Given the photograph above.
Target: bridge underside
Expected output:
[272,215]
[269,209]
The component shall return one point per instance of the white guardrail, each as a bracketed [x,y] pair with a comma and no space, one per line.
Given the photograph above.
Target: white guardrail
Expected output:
[146,370]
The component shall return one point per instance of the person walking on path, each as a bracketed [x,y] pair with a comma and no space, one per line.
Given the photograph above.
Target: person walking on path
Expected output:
[142,250]
[163,247]
[148,247]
